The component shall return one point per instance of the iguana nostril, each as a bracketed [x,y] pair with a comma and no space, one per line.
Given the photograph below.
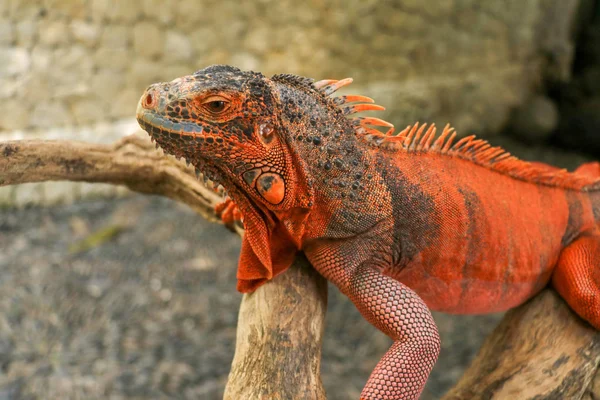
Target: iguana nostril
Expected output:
[149,100]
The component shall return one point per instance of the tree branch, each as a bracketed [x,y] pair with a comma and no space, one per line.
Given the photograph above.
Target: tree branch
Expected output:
[540,350]
[132,161]
[273,330]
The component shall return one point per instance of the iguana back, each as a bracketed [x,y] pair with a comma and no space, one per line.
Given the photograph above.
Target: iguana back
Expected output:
[477,230]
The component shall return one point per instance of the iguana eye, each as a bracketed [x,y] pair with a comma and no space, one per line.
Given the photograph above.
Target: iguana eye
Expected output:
[216,104]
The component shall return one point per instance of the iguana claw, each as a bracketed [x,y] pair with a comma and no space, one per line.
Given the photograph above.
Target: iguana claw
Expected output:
[229,213]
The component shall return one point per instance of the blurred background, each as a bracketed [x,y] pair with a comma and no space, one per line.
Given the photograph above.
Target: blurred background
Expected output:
[109,294]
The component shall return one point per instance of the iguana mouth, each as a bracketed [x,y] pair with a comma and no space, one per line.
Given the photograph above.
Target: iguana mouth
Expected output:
[163,125]
[172,136]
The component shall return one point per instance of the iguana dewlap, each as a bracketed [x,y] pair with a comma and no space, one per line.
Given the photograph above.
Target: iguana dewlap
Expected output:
[398,223]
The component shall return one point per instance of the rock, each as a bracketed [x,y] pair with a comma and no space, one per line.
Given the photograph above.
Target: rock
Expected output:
[113,58]
[27,32]
[201,39]
[53,33]
[99,10]
[159,10]
[189,14]
[148,39]
[96,190]
[84,32]
[144,72]
[50,113]
[11,88]
[85,110]
[15,61]
[123,191]
[245,61]
[124,11]
[258,40]
[7,34]
[37,87]
[41,58]
[145,41]
[175,71]
[115,37]
[23,10]
[124,104]
[177,47]
[71,73]
[68,9]
[14,115]
[107,84]
[535,121]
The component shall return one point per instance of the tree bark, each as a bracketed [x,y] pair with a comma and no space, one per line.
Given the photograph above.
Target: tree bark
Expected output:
[286,314]
[132,161]
[540,350]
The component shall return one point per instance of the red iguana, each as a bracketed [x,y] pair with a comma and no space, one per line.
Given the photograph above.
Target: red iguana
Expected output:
[398,223]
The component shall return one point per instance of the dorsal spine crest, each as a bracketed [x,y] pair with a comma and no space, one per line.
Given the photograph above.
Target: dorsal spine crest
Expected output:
[296,81]
[419,138]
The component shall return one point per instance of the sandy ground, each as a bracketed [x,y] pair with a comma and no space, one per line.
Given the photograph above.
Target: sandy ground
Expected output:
[135,299]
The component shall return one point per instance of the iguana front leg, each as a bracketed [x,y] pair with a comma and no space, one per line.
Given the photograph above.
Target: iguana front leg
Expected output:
[398,312]
[229,212]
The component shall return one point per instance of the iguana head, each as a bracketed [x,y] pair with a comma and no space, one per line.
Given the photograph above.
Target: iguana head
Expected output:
[228,124]
[254,136]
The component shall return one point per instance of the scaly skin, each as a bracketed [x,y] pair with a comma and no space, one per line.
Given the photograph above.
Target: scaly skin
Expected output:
[399,223]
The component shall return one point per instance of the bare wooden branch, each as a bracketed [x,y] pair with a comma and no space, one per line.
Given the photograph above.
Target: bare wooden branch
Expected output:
[286,314]
[281,324]
[133,161]
[540,350]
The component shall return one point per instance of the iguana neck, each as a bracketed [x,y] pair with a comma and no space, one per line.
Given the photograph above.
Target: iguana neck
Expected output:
[340,167]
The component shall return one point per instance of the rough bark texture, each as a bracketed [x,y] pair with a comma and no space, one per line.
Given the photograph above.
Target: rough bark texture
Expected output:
[286,314]
[132,161]
[540,350]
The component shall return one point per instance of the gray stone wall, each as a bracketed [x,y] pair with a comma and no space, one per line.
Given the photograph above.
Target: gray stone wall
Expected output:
[67,66]
[76,62]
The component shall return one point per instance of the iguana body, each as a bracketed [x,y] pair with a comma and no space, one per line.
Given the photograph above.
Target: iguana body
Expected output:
[398,223]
